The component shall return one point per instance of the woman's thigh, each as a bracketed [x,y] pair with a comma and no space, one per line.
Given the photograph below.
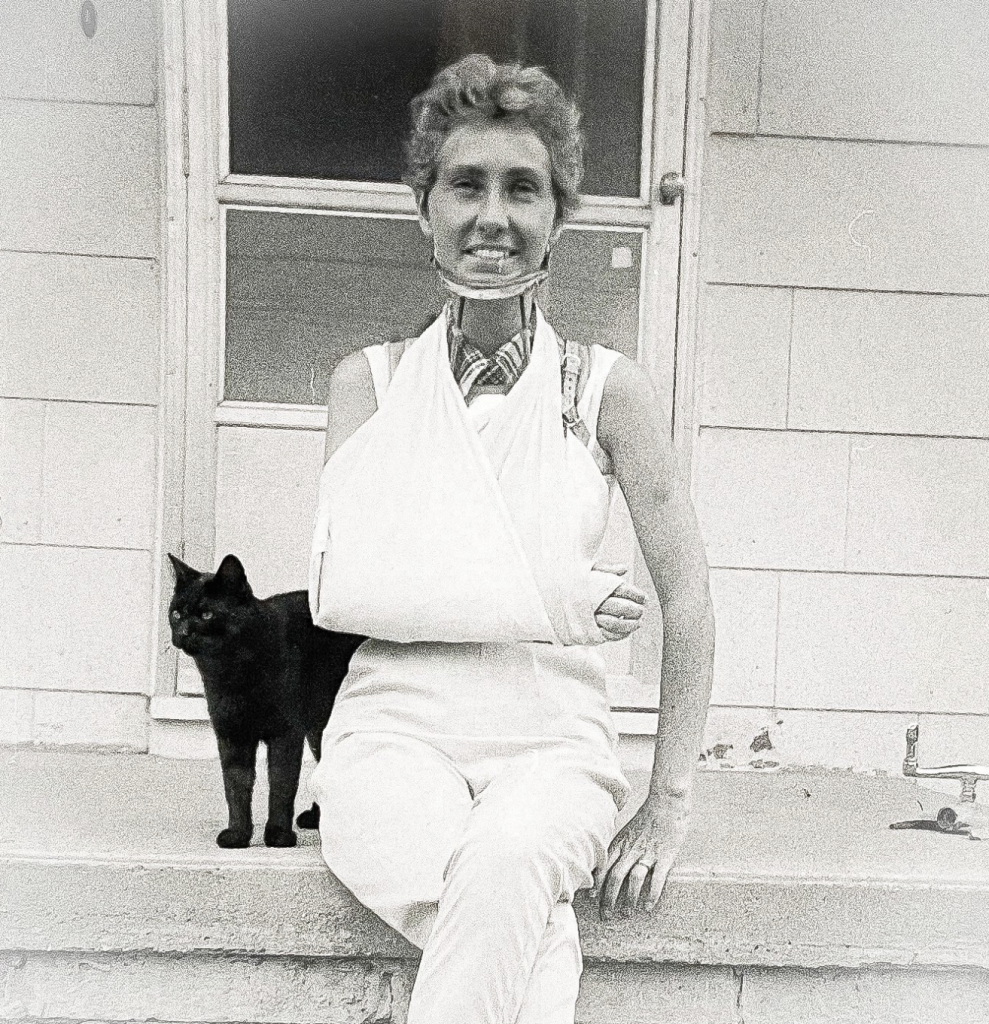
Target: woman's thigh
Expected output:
[541,811]
[392,811]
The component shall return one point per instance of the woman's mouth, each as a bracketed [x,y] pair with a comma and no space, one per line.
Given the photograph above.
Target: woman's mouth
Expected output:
[497,257]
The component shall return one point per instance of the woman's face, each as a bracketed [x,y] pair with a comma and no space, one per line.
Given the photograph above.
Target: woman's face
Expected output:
[492,211]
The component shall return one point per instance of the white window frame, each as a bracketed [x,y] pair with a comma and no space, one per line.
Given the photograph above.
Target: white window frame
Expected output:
[199,188]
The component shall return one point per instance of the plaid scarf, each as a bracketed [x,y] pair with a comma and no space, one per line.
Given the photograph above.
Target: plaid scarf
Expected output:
[473,370]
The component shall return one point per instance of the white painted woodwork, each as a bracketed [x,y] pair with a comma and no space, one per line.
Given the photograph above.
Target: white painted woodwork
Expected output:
[772,499]
[745,610]
[882,643]
[99,475]
[78,178]
[374,198]
[187,679]
[743,356]
[79,328]
[846,215]
[912,71]
[45,54]
[116,721]
[894,364]
[173,276]
[266,501]
[919,505]
[16,716]
[733,74]
[22,436]
[74,619]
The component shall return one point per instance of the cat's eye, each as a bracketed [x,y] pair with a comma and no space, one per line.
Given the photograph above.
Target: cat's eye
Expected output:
[206,616]
[176,615]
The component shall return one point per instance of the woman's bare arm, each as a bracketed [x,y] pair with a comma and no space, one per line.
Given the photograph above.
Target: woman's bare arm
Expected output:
[351,400]
[634,432]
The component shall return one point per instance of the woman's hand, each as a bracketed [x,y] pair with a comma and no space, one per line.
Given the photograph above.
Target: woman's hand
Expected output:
[620,615]
[641,855]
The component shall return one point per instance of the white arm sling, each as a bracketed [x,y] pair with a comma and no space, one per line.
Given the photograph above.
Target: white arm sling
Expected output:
[424,532]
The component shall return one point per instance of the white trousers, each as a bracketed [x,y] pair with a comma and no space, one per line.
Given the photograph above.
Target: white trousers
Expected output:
[473,850]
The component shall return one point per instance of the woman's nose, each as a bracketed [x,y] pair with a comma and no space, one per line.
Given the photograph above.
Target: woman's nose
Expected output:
[493,215]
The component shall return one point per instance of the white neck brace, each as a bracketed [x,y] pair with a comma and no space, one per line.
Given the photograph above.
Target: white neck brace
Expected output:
[508,290]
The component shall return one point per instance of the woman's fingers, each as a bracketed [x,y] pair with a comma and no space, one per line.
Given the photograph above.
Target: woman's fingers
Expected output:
[635,868]
[615,628]
[629,592]
[657,883]
[636,880]
[620,608]
[614,568]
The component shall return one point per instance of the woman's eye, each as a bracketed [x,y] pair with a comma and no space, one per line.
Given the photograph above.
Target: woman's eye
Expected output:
[206,616]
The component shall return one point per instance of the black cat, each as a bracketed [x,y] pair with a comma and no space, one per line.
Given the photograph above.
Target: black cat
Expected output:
[270,675]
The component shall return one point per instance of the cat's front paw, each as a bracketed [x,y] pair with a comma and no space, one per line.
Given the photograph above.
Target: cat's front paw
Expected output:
[275,836]
[233,839]
[310,818]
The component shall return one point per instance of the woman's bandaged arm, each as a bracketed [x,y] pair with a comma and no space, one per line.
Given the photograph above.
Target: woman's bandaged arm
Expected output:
[351,401]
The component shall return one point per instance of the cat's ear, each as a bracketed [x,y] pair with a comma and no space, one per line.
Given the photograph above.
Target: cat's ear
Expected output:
[184,574]
[231,578]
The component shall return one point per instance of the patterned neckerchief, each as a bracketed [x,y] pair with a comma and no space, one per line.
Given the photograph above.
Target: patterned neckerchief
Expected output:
[474,371]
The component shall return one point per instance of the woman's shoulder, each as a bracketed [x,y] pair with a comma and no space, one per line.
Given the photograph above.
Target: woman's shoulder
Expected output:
[630,409]
[351,400]
[352,371]
[624,378]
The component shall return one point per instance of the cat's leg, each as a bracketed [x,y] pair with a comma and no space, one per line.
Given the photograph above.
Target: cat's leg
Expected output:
[237,760]
[310,818]
[284,765]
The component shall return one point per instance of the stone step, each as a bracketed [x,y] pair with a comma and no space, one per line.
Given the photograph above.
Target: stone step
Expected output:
[116,904]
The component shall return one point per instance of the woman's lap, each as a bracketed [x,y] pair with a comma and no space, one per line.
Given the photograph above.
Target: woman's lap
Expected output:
[395,809]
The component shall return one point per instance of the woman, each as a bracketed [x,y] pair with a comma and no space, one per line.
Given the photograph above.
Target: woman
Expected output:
[469,782]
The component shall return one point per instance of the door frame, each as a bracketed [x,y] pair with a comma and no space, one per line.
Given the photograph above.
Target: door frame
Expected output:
[199,188]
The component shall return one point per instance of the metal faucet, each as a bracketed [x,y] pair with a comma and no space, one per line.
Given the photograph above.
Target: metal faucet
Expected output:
[968,774]
[964,819]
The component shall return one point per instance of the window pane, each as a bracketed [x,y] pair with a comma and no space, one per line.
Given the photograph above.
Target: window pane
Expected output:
[303,290]
[320,88]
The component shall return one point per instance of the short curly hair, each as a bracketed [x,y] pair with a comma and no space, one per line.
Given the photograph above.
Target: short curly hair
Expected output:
[474,88]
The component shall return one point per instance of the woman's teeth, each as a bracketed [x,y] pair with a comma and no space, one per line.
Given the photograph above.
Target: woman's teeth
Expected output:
[496,256]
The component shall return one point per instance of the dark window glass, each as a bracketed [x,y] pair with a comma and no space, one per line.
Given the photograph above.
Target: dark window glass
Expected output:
[303,290]
[320,88]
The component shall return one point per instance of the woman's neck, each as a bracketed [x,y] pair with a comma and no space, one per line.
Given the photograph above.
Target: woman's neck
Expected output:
[489,323]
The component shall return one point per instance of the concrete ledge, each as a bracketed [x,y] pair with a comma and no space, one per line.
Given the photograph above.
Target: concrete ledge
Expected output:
[115,853]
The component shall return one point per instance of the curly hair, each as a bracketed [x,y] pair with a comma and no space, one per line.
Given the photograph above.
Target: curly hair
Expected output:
[476,88]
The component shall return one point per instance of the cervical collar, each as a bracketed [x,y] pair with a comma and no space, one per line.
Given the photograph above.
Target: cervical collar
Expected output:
[508,290]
